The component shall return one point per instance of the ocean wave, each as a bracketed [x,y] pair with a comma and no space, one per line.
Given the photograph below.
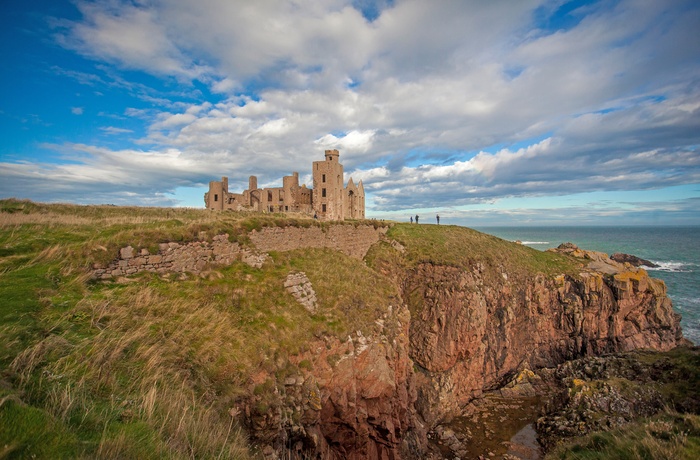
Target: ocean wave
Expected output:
[692,301]
[535,242]
[679,267]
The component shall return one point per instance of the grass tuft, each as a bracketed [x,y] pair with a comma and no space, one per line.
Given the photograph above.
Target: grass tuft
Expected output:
[666,436]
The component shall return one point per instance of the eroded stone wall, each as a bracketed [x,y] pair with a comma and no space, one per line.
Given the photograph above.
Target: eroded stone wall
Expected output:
[173,257]
[351,240]
[195,256]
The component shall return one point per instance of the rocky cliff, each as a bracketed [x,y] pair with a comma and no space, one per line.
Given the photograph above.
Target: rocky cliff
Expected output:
[355,399]
[470,330]
[462,325]
[296,340]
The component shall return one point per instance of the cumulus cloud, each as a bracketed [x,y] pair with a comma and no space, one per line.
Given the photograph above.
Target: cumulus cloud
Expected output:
[460,102]
[101,175]
[128,34]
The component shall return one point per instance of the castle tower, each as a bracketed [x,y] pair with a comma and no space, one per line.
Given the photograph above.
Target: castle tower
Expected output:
[216,196]
[329,193]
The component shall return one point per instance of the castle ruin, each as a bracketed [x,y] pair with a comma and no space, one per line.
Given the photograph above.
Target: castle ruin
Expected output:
[329,199]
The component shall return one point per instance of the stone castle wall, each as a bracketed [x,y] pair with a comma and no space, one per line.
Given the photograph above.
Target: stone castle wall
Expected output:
[351,240]
[195,256]
[329,199]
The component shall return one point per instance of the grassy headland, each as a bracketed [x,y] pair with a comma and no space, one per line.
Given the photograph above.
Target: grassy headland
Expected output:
[155,366]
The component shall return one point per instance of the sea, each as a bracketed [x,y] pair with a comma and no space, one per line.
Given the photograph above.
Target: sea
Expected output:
[675,249]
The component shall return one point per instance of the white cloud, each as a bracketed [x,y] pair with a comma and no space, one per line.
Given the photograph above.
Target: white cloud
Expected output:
[225,85]
[115,130]
[416,99]
[76,110]
[354,141]
[130,35]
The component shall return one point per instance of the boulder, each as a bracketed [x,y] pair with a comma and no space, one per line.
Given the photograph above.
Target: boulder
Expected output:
[632,260]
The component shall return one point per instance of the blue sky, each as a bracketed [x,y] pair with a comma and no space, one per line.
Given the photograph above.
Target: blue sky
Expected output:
[489,113]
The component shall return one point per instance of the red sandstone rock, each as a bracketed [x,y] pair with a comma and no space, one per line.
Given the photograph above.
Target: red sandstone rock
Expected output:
[358,402]
[470,329]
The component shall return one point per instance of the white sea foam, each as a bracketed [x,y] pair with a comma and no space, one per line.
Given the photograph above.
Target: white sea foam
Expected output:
[535,242]
[679,267]
[694,301]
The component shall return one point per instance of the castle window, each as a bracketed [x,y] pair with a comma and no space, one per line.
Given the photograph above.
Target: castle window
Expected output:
[323,192]
[323,208]
[286,208]
[269,195]
[216,197]
[323,178]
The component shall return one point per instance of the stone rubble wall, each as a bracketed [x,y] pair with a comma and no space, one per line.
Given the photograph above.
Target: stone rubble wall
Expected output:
[195,256]
[174,258]
[351,240]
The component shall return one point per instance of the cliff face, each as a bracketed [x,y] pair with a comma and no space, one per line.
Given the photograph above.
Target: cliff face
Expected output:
[464,329]
[355,401]
[320,354]
[470,329]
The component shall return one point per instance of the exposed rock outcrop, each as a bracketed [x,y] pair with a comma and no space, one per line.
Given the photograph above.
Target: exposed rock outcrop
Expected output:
[470,328]
[355,400]
[600,393]
[301,289]
[632,260]
[457,330]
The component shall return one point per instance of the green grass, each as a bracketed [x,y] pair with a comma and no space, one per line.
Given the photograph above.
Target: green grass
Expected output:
[29,432]
[159,366]
[464,247]
[677,373]
[666,436]
[154,367]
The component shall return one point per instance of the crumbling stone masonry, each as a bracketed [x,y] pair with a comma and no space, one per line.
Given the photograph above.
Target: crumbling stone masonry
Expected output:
[178,258]
[328,200]
[195,256]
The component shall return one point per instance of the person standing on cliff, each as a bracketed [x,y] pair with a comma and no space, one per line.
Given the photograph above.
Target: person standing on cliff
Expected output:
[411,219]
[437,216]
[416,218]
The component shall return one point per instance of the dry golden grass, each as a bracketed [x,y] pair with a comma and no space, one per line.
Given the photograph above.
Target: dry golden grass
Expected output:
[152,354]
[161,366]
[51,219]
